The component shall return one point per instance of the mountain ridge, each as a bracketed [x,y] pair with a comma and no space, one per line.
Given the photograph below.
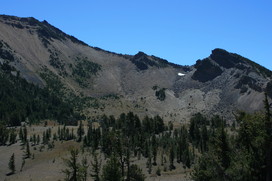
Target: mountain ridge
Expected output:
[114,83]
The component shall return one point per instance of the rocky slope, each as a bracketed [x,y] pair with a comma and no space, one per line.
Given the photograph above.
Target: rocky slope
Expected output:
[113,83]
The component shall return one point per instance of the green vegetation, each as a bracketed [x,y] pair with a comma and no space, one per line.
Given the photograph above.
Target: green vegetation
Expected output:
[80,131]
[83,70]
[110,96]
[75,170]
[12,164]
[242,155]
[128,137]
[95,167]
[160,94]
[111,170]
[78,102]
[53,82]
[21,101]
[213,149]
[55,61]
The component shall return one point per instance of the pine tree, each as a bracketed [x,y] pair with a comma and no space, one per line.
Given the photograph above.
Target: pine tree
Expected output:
[38,139]
[23,164]
[186,157]
[83,170]
[154,149]
[12,136]
[128,164]
[34,139]
[158,172]
[24,135]
[3,134]
[149,163]
[80,131]
[95,167]
[268,139]
[27,152]
[111,170]
[21,134]
[136,174]
[223,149]
[72,170]
[171,158]
[12,164]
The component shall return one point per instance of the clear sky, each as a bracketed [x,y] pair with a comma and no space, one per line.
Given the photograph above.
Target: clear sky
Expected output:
[180,31]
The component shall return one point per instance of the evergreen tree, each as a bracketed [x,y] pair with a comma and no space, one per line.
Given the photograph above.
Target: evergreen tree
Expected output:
[24,135]
[171,158]
[186,157]
[158,172]
[80,131]
[23,164]
[95,167]
[27,151]
[72,171]
[12,164]
[12,136]
[154,149]
[149,163]
[111,170]
[21,134]
[38,139]
[268,139]
[4,135]
[204,139]
[222,148]
[136,173]
[83,169]
[34,139]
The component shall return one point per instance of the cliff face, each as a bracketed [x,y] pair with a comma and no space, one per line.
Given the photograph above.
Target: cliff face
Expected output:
[113,83]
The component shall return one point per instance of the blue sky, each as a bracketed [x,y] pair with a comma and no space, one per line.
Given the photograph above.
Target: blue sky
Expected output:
[180,31]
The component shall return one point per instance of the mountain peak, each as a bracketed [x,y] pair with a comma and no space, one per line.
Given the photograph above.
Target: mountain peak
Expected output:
[45,55]
[229,60]
[140,54]
[45,31]
[224,58]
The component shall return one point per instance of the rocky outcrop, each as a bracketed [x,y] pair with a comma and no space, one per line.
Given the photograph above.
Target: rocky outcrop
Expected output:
[206,71]
[224,58]
[111,83]
[269,89]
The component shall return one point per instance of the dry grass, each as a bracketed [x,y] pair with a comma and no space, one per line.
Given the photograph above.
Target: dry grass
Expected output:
[48,164]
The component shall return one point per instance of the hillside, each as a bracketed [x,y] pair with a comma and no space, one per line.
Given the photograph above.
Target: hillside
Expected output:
[99,82]
[70,111]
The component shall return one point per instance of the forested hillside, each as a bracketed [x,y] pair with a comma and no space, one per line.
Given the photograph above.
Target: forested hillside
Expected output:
[242,152]
[21,101]
[70,111]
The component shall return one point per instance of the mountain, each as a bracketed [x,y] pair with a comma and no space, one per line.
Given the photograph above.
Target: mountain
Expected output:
[98,82]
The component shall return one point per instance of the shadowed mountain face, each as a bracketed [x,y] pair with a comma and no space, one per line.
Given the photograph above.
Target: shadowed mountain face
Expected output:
[102,82]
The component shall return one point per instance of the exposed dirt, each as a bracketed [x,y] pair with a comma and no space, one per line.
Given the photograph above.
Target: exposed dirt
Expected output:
[48,163]
[214,86]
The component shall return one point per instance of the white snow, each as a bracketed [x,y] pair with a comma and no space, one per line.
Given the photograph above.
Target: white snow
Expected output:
[181,74]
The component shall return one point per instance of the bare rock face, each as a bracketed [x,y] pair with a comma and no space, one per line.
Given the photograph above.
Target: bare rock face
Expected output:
[269,89]
[224,58]
[115,83]
[206,71]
